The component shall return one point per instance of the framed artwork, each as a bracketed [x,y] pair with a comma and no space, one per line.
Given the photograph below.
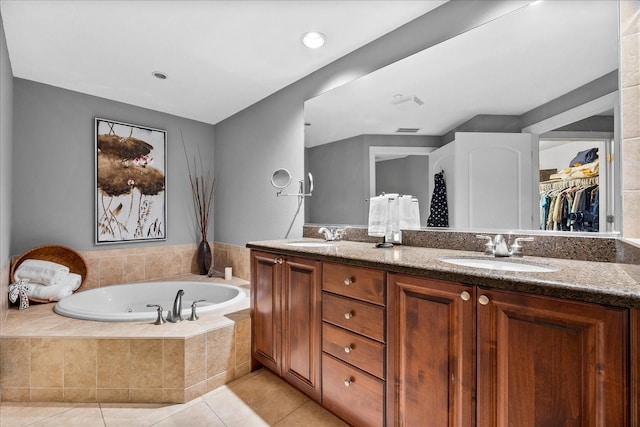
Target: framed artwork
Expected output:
[130,182]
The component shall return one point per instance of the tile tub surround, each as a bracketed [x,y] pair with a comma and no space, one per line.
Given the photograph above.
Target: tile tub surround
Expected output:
[589,281]
[45,357]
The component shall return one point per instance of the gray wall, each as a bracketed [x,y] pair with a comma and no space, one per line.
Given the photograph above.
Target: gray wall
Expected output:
[53,180]
[409,175]
[341,176]
[6,136]
[270,134]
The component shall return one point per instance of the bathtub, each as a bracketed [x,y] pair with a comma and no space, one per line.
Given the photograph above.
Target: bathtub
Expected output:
[128,302]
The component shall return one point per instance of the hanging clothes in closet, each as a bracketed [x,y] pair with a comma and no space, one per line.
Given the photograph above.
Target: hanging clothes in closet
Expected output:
[570,205]
[439,212]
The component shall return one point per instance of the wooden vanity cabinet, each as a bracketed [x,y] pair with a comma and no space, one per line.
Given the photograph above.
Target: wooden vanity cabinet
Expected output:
[528,360]
[354,343]
[635,367]
[286,318]
[431,377]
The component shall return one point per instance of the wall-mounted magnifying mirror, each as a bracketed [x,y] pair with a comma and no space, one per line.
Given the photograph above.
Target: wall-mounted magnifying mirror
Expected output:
[281,178]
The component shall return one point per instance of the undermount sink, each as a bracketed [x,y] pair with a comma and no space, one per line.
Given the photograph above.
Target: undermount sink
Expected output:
[497,264]
[310,244]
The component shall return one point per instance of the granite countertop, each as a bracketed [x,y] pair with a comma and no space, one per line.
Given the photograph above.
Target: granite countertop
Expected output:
[597,282]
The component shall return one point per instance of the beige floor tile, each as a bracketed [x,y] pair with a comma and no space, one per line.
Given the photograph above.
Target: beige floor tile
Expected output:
[140,414]
[311,415]
[85,415]
[261,397]
[198,415]
[26,413]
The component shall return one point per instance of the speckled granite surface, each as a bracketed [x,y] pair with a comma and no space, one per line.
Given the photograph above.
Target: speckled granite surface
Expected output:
[565,246]
[599,282]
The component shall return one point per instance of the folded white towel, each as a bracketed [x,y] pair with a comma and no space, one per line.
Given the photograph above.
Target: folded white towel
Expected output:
[393,217]
[404,213]
[415,214]
[378,209]
[49,292]
[42,272]
[72,280]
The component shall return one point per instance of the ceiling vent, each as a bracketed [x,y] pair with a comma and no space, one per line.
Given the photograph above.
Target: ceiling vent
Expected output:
[407,130]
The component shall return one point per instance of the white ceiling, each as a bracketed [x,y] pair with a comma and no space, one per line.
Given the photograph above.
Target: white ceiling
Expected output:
[506,67]
[220,56]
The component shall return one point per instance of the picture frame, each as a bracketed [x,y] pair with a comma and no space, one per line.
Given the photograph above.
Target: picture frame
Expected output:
[130,182]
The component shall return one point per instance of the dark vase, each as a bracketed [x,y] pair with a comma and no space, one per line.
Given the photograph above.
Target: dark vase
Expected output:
[203,257]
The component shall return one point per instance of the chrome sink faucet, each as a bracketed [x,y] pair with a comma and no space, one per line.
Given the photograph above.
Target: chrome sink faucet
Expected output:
[498,246]
[331,234]
[175,315]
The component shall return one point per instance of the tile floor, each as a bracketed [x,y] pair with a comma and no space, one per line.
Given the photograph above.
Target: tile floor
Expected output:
[257,399]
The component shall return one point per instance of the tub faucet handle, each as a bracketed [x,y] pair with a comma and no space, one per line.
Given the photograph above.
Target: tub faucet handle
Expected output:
[194,315]
[160,320]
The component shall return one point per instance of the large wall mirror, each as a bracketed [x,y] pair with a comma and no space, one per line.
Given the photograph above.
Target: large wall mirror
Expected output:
[549,70]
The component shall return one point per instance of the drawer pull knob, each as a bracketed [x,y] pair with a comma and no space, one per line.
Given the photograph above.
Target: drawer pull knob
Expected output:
[466,296]
[348,349]
[347,382]
[348,281]
[348,315]
[483,299]
[278,261]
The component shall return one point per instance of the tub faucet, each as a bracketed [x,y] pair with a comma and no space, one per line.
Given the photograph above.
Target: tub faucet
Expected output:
[175,315]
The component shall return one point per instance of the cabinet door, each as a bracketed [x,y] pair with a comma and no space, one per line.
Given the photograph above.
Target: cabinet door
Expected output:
[550,362]
[635,367]
[431,375]
[266,272]
[301,320]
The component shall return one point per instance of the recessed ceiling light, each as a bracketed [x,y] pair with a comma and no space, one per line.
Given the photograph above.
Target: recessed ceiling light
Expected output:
[313,39]
[160,75]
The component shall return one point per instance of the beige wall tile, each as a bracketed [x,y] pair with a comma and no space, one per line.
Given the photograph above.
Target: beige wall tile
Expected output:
[631,112]
[80,363]
[111,270]
[631,226]
[220,351]
[92,280]
[174,395]
[243,341]
[146,395]
[195,354]
[134,270]
[630,63]
[630,162]
[113,363]
[629,17]
[153,266]
[47,395]
[243,369]
[174,363]
[112,395]
[80,395]
[15,362]
[195,390]
[219,380]
[16,394]
[146,364]
[47,362]
[4,291]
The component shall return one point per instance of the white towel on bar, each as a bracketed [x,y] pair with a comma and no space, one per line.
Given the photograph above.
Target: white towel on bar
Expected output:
[378,210]
[39,271]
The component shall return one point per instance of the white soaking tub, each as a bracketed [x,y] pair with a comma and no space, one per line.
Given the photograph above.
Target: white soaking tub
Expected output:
[128,302]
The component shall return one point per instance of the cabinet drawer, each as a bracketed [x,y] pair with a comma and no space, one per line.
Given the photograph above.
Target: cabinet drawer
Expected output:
[361,283]
[355,349]
[353,395]
[356,316]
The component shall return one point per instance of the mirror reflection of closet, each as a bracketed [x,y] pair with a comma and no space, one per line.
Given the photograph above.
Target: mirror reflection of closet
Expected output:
[576,186]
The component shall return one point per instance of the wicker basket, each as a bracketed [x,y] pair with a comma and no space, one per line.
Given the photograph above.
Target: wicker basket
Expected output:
[58,254]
